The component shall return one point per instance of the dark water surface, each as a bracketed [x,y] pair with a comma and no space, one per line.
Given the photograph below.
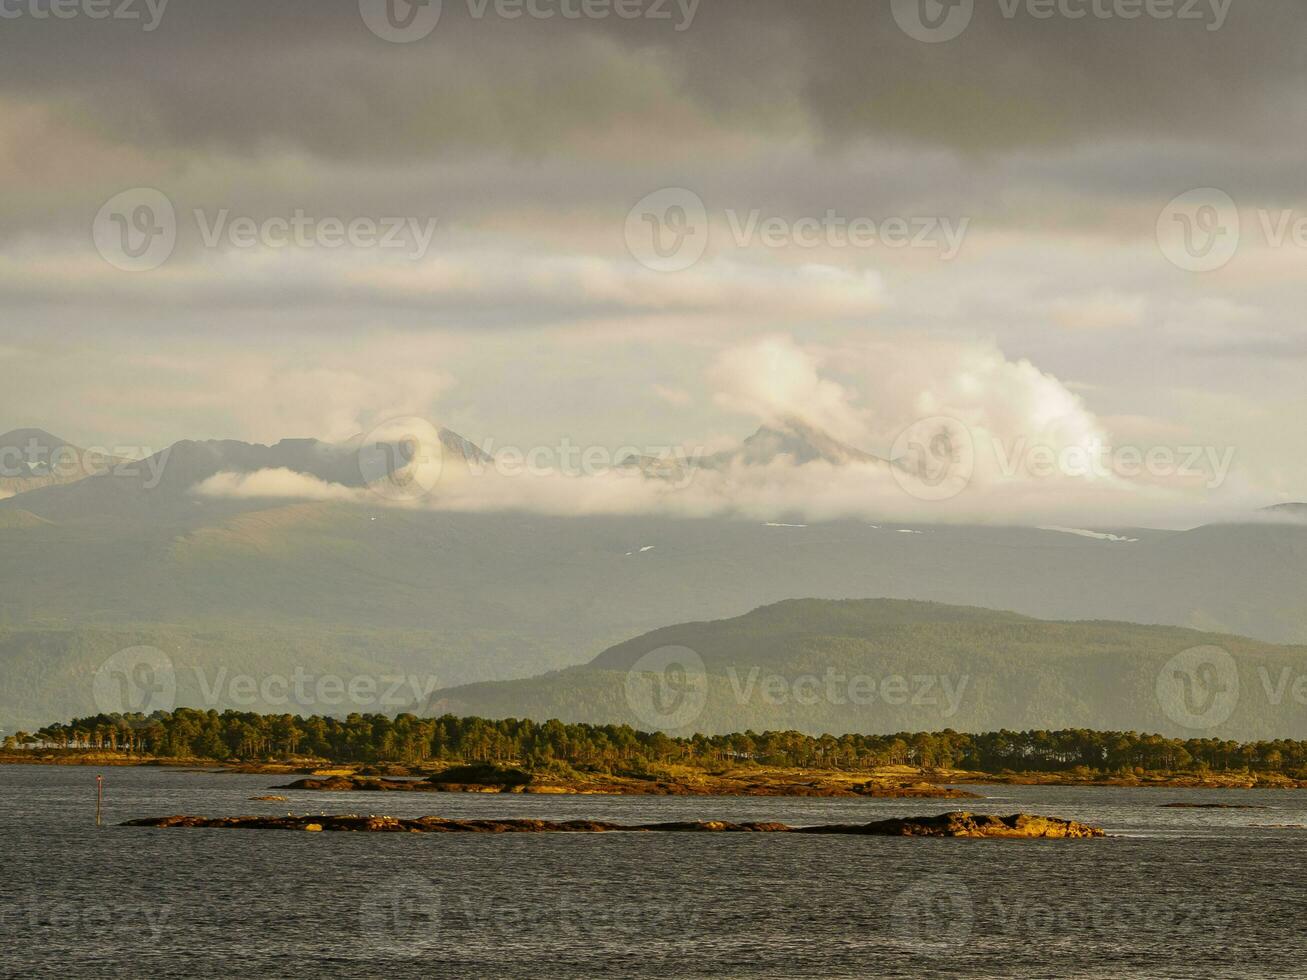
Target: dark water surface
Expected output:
[1179,893]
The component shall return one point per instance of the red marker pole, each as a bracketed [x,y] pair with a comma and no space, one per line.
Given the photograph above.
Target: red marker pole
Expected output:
[99,797]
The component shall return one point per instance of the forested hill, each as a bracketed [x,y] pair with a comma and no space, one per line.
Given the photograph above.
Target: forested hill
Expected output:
[228,586]
[880,666]
[406,739]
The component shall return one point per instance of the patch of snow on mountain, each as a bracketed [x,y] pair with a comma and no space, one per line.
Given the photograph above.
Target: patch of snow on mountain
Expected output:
[1096,535]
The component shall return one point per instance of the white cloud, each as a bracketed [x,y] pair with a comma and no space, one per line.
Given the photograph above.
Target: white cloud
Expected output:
[275,484]
[676,397]
[1030,461]
[813,492]
[775,379]
[1102,310]
[459,278]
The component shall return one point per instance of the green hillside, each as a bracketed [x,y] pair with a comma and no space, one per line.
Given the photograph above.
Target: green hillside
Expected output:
[88,568]
[881,666]
[52,672]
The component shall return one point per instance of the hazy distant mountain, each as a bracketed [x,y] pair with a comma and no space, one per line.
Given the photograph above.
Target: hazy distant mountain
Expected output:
[33,458]
[120,558]
[794,440]
[1294,510]
[788,440]
[883,666]
[160,488]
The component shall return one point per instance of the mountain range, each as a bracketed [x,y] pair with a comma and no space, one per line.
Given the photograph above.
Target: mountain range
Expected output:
[884,666]
[32,458]
[135,557]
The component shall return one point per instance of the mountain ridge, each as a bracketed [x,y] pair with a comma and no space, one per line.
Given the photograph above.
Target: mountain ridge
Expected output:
[504,594]
[799,665]
[32,458]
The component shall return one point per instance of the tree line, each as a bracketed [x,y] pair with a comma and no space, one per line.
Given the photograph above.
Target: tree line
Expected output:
[373,738]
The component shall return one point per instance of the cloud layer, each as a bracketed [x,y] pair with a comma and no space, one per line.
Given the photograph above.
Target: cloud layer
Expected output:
[1057,142]
[976,438]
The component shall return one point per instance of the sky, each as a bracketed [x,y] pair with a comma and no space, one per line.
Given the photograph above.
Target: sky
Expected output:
[646,223]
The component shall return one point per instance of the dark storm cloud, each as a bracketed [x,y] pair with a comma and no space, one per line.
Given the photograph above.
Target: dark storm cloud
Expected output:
[245,76]
[1059,140]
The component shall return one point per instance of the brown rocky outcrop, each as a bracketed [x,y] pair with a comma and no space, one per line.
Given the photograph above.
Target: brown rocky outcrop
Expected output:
[455,782]
[961,823]
[955,824]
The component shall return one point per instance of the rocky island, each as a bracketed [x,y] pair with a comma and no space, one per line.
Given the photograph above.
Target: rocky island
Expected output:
[488,778]
[954,824]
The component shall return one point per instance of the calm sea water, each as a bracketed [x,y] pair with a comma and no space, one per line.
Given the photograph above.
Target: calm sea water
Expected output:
[1179,893]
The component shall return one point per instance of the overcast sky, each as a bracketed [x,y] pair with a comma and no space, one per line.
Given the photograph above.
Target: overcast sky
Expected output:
[983,227]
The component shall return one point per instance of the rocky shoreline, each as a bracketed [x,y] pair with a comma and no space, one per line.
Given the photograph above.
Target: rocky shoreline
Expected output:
[494,783]
[895,781]
[1018,826]
[1212,806]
